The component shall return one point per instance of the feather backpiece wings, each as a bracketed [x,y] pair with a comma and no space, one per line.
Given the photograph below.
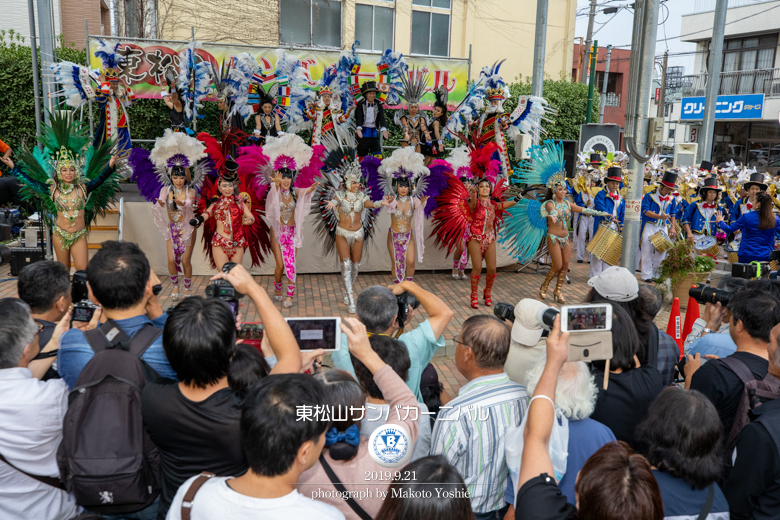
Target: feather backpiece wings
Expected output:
[37,174]
[193,80]
[524,230]
[77,83]
[452,216]
[546,165]
[392,70]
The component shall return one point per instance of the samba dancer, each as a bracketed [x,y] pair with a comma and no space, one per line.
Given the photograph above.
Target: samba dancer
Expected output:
[346,209]
[525,229]
[165,177]
[74,182]
[404,179]
[412,121]
[434,146]
[658,214]
[289,171]
[610,201]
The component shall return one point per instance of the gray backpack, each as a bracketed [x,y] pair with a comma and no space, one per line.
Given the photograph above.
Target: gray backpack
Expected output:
[106,458]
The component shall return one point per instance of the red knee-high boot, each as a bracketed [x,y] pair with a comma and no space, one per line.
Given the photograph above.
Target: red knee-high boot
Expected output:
[489,279]
[475,291]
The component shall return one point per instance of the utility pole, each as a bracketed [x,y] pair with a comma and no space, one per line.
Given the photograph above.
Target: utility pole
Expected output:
[46,32]
[661,100]
[637,107]
[604,88]
[713,82]
[592,79]
[36,70]
[537,83]
[589,38]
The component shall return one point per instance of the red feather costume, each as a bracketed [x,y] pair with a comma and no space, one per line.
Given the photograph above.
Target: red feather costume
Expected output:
[254,237]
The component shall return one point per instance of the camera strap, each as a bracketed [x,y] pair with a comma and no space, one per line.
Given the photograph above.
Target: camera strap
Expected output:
[351,502]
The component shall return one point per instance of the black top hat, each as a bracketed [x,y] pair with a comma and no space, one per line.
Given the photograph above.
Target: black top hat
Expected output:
[614,173]
[706,166]
[710,183]
[669,179]
[368,86]
[758,180]
[595,158]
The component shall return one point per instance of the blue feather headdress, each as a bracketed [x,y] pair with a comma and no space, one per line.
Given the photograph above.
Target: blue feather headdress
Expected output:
[193,80]
[75,82]
[392,68]
[546,166]
[112,61]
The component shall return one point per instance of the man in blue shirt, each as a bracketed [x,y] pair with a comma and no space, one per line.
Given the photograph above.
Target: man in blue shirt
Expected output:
[377,309]
[120,281]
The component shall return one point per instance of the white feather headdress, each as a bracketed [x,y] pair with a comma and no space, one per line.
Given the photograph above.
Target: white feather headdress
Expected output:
[407,164]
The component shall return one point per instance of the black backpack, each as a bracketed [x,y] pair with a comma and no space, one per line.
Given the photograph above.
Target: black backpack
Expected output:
[106,458]
[755,393]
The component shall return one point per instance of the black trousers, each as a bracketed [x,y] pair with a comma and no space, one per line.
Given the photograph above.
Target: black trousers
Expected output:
[368,146]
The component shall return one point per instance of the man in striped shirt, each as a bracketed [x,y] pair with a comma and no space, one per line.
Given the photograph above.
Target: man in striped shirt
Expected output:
[471,429]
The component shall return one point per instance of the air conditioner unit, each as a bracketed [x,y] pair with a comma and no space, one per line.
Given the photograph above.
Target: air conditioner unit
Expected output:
[685,154]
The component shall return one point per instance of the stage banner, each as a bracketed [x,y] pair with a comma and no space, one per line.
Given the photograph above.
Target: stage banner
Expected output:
[147,63]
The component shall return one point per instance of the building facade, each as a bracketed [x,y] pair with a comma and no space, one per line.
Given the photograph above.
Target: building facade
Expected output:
[750,78]
[489,29]
[617,80]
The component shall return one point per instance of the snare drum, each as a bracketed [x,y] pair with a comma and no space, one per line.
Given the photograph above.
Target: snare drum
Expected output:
[706,245]
[732,249]
[607,244]
[661,241]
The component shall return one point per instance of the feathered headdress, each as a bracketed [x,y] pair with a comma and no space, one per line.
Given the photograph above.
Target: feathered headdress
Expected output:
[494,84]
[287,154]
[403,165]
[442,94]
[546,166]
[113,62]
[341,162]
[460,161]
[482,164]
[75,82]
[193,80]
[654,167]
[414,83]
[172,153]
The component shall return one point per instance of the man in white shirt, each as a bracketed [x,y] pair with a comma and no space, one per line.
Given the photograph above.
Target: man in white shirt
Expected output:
[31,414]
[279,446]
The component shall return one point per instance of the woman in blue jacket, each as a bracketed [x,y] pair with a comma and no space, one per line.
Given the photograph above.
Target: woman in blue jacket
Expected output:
[758,230]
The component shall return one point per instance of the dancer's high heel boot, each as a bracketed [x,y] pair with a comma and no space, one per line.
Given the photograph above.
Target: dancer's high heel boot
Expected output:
[346,276]
[489,279]
[545,285]
[557,295]
[475,291]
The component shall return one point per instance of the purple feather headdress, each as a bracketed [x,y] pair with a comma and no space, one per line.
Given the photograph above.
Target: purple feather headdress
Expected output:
[179,159]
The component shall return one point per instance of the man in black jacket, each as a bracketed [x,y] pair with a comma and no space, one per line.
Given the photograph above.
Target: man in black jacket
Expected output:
[753,485]
[369,120]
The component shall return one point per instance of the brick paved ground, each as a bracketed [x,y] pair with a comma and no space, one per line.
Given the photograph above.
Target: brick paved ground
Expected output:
[320,295]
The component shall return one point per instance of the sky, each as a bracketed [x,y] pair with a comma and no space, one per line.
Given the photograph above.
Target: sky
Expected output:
[615,29]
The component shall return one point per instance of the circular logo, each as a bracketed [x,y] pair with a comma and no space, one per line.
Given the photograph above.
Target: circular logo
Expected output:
[599,143]
[390,446]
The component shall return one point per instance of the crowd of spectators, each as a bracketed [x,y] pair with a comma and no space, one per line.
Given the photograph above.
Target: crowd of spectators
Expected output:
[647,434]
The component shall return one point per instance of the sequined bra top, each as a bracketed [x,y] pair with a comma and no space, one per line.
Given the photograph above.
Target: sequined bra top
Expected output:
[403,219]
[564,210]
[286,209]
[351,203]
[70,203]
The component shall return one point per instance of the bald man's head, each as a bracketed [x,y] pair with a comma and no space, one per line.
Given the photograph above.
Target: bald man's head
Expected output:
[489,338]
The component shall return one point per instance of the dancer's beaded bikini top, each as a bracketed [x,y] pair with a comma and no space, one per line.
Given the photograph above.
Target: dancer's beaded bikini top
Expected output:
[286,209]
[70,199]
[403,219]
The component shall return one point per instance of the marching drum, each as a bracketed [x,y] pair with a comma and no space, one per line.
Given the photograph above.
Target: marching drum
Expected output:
[661,241]
[706,245]
[731,250]
[606,245]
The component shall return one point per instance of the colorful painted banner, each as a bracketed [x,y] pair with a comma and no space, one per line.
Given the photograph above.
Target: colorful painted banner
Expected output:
[146,66]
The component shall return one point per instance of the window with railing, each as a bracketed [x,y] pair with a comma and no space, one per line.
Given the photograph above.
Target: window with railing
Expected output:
[755,54]
[612,100]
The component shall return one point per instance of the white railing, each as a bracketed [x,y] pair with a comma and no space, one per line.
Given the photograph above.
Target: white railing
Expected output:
[759,81]
[705,6]
[612,100]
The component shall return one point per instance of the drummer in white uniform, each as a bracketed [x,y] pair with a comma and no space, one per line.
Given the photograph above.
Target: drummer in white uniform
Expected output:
[699,218]
[658,214]
[611,201]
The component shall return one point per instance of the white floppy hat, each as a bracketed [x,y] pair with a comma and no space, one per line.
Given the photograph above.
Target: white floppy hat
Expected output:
[616,284]
[526,329]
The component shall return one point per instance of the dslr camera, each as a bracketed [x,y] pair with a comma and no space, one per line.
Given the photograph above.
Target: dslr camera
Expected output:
[224,290]
[504,311]
[705,294]
[83,308]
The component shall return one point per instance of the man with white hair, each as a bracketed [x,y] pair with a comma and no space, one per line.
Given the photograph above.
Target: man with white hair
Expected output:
[575,399]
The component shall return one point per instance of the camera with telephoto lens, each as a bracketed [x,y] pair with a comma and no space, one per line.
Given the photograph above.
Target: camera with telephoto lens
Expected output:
[705,294]
[504,311]
[546,317]
[405,300]
[224,290]
[83,308]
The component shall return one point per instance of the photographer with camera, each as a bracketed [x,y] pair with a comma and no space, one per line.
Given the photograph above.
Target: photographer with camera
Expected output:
[753,314]
[121,282]
[714,323]
[195,422]
[382,312]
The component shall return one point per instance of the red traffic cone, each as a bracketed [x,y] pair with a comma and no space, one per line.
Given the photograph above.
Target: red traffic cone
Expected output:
[674,329]
[691,315]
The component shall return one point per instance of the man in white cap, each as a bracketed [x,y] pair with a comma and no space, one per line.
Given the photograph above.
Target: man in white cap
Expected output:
[617,285]
[527,345]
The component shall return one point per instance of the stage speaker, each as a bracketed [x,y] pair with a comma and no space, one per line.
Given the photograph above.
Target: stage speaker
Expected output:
[569,156]
[5,254]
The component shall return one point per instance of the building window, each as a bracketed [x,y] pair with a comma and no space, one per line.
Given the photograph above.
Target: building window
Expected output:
[430,33]
[443,4]
[612,80]
[671,133]
[310,23]
[374,27]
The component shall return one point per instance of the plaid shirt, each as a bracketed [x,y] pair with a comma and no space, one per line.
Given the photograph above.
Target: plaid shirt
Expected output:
[476,447]
[668,356]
